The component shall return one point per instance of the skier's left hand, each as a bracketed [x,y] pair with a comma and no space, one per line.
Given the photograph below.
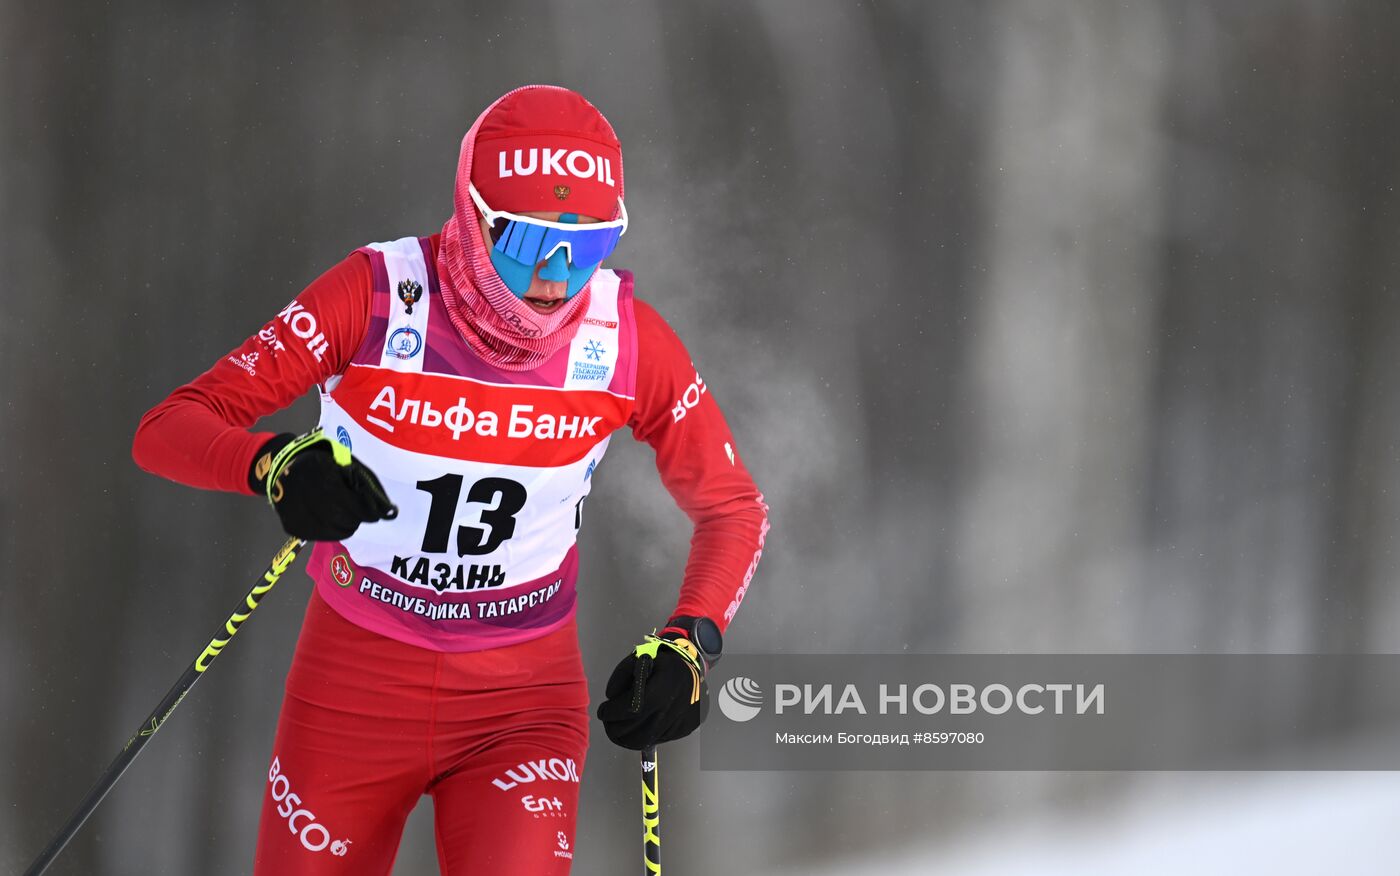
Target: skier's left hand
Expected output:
[657,693]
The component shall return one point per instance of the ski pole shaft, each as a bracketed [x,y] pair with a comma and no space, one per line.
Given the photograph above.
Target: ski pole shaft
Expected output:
[157,718]
[651,812]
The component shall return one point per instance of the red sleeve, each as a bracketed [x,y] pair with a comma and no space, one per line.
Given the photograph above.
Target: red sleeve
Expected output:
[199,435]
[699,465]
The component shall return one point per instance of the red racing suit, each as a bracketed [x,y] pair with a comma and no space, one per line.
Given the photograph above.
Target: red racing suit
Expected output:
[402,685]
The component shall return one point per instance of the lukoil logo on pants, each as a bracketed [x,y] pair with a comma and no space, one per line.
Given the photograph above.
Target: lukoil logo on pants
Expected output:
[301,822]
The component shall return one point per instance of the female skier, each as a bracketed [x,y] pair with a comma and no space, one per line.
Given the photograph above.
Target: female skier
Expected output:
[476,376]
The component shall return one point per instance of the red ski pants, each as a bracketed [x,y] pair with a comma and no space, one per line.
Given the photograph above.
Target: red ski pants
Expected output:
[369,725]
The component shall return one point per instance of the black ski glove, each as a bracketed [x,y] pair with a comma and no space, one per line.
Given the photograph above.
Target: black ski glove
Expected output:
[657,693]
[318,490]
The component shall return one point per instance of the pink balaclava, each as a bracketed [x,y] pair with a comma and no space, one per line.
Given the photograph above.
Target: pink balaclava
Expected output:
[500,327]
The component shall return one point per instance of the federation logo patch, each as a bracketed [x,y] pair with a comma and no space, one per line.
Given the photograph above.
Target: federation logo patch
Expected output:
[409,293]
[404,343]
[592,364]
[561,192]
[341,571]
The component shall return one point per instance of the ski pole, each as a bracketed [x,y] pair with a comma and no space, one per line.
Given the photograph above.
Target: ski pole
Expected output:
[280,563]
[651,811]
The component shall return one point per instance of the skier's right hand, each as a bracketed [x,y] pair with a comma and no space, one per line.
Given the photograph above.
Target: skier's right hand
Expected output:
[318,490]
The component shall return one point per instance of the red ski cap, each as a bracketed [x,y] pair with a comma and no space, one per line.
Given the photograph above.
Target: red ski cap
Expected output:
[548,150]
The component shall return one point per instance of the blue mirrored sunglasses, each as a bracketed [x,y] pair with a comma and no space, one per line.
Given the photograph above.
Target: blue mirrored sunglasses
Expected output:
[531,241]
